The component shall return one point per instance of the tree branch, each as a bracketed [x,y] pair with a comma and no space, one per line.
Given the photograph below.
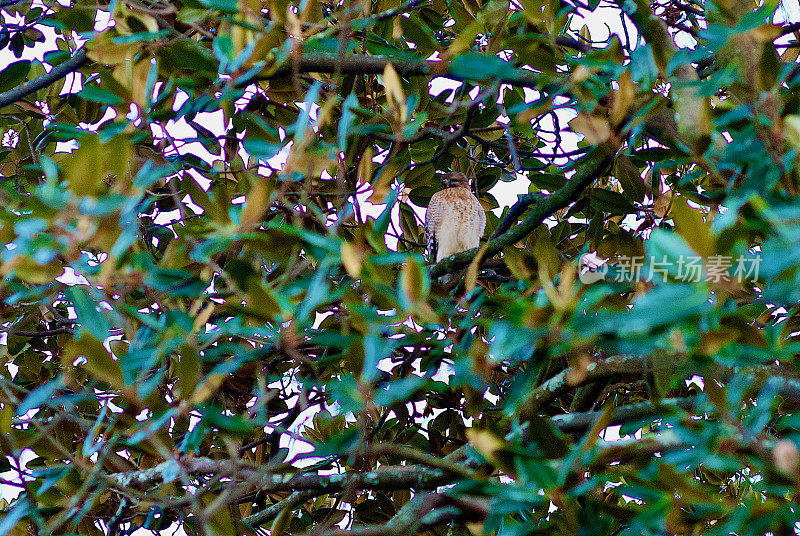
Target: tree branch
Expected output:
[593,165]
[580,422]
[516,210]
[423,458]
[330,63]
[297,498]
[319,62]
[56,73]
[424,510]
[788,388]
[38,334]
[389,477]
[558,384]
[271,512]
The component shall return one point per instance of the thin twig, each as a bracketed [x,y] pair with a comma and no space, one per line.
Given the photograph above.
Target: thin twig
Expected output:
[37,334]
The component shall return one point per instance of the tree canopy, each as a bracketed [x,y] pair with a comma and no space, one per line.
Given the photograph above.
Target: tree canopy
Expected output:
[217,314]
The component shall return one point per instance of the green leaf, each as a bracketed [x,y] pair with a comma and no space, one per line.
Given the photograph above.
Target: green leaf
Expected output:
[188,55]
[95,94]
[419,33]
[19,510]
[376,347]
[400,390]
[474,66]
[50,476]
[151,426]
[672,253]
[212,415]
[191,441]
[138,37]
[39,396]
[90,315]
[227,6]
[261,149]
[608,201]
[346,120]
[686,304]
[176,282]
[99,362]
[223,50]
[382,222]
[14,74]
[345,392]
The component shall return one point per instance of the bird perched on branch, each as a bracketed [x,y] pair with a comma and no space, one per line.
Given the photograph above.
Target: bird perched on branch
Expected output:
[455,220]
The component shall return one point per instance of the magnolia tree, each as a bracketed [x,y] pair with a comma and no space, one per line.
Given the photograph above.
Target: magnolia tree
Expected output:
[218,317]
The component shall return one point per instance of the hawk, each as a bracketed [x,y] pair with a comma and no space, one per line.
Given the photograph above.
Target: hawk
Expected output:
[455,220]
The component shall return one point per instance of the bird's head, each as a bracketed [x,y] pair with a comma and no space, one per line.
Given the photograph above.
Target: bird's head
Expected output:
[455,179]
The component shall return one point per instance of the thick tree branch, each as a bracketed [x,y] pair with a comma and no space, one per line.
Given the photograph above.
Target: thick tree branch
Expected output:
[271,512]
[593,165]
[641,451]
[516,210]
[318,62]
[299,497]
[627,450]
[423,458]
[389,477]
[788,388]
[580,422]
[436,518]
[56,73]
[333,63]
[424,510]
[559,384]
